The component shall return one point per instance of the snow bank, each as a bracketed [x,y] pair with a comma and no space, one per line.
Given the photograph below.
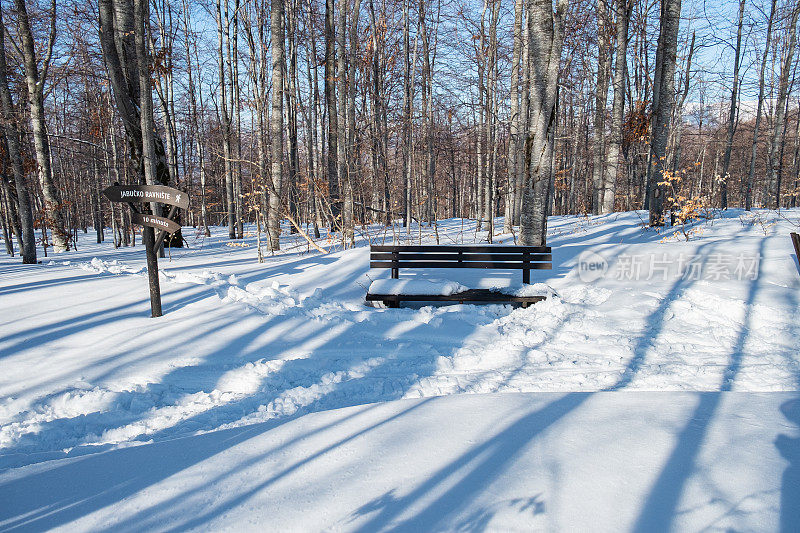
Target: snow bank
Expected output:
[99,266]
[526,289]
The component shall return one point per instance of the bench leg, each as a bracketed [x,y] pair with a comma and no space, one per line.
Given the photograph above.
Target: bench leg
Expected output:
[391,304]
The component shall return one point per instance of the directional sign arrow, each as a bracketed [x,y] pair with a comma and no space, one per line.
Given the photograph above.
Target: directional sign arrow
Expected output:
[153,221]
[146,194]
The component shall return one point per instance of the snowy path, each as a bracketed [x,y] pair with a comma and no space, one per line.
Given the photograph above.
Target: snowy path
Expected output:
[83,369]
[572,462]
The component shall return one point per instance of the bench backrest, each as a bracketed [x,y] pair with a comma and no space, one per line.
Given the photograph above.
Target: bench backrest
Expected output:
[525,258]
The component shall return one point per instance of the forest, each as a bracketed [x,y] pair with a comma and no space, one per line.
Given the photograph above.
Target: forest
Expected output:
[340,114]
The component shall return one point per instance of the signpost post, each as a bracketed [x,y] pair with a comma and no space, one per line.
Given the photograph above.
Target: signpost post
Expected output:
[145,194]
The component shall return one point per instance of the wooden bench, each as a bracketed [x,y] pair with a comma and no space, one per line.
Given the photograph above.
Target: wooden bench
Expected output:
[525,258]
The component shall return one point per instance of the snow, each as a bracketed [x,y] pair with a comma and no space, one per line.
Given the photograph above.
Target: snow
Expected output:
[430,287]
[572,462]
[445,287]
[666,390]
[528,289]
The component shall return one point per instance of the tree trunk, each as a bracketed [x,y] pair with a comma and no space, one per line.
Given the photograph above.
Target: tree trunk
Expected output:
[343,145]
[407,107]
[11,134]
[352,143]
[330,103]
[748,197]
[623,13]
[236,129]
[600,96]
[670,19]
[225,119]
[141,16]
[546,39]
[379,146]
[732,113]
[290,20]
[276,122]
[515,133]
[35,83]
[774,180]
[524,115]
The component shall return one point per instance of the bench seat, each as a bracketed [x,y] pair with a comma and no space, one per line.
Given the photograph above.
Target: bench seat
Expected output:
[469,295]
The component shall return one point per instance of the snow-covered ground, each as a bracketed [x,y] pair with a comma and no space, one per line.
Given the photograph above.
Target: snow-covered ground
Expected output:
[658,387]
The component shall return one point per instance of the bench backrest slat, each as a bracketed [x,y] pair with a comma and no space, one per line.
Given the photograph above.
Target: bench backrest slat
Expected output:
[475,264]
[431,256]
[525,258]
[467,248]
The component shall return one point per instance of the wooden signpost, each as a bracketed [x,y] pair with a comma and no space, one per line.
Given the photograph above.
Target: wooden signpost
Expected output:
[155,222]
[152,194]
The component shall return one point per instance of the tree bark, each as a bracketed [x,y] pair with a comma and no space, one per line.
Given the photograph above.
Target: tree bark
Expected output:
[276,122]
[774,178]
[623,13]
[352,148]
[748,196]
[141,21]
[670,19]
[330,103]
[35,82]
[11,134]
[515,133]
[732,113]
[600,97]
[406,125]
[225,119]
[546,39]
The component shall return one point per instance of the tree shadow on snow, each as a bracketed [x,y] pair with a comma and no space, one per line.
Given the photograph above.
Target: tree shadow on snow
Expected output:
[73,488]
[474,470]
[788,446]
[76,487]
[654,325]
[183,380]
[660,506]
[61,504]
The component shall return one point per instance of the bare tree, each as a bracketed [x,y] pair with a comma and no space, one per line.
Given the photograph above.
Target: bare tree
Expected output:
[733,112]
[11,133]
[276,122]
[622,9]
[35,80]
[332,166]
[224,116]
[748,195]
[779,124]
[546,40]
[141,31]
[516,121]
[662,114]
[601,95]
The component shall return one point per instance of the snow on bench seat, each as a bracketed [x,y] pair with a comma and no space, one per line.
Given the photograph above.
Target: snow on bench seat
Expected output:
[444,287]
[393,291]
[416,287]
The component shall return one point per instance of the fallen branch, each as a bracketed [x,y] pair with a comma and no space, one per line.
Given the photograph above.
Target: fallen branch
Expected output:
[303,233]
